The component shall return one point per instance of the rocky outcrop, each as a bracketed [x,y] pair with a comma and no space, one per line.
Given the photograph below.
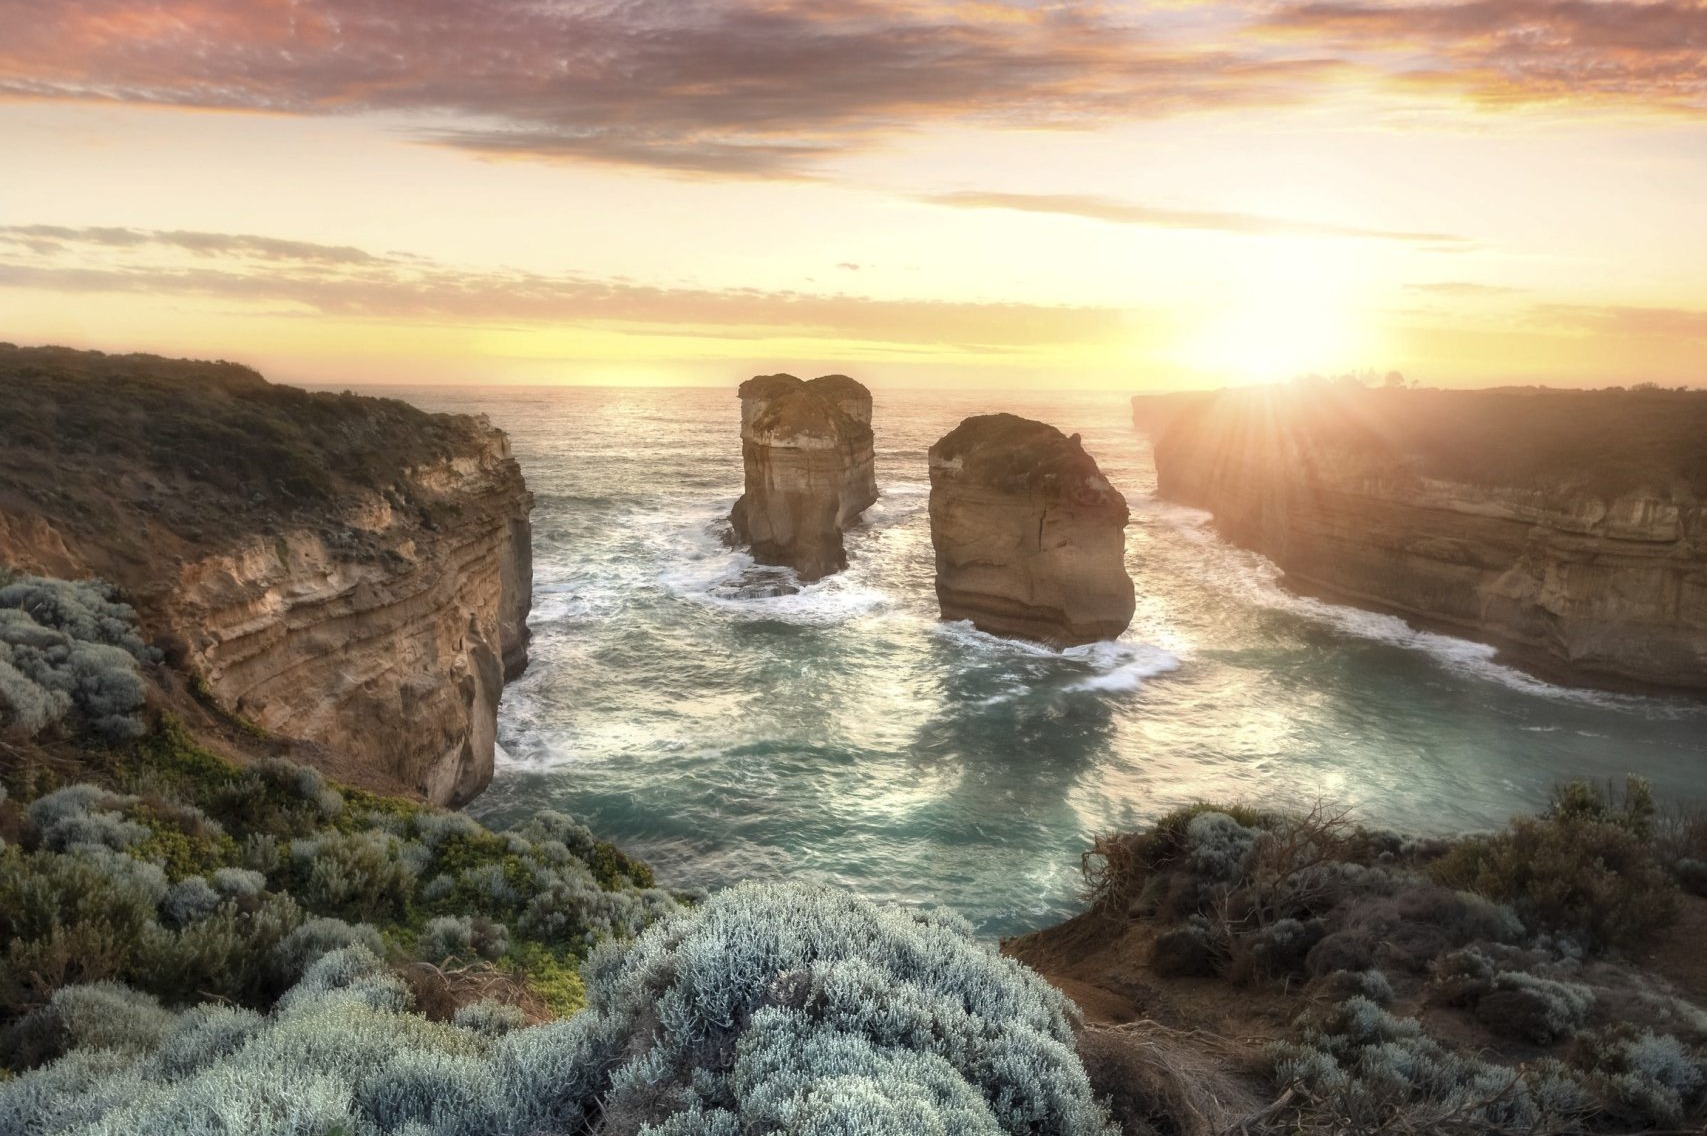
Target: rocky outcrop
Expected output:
[384,638]
[806,448]
[365,587]
[1568,529]
[1029,535]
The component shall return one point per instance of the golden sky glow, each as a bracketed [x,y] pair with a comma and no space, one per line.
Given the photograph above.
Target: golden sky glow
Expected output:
[924,192]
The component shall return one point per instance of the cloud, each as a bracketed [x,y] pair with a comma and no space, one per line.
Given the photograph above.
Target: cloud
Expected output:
[1623,320]
[1125,213]
[771,88]
[51,237]
[342,282]
[726,87]
[1461,288]
[1518,52]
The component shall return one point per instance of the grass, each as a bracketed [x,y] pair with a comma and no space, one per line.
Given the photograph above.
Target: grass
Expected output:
[121,445]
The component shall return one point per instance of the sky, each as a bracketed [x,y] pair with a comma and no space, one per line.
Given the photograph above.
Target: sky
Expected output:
[920,193]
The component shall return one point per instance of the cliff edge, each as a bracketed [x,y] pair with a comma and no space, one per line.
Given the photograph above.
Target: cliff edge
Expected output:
[346,570]
[1566,528]
[1029,536]
[806,451]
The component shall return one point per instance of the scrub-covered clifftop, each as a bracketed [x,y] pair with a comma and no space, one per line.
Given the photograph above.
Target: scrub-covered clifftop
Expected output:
[350,571]
[1567,528]
[1247,969]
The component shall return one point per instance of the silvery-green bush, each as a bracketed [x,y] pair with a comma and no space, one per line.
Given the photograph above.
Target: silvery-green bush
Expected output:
[1644,1079]
[1368,1070]
[788,1010]
[753,1011]
[1221,847]
[69,654]
[460,937]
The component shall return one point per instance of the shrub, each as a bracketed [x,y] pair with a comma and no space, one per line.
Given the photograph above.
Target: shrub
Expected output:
[1540,1010]
[1274,951]
[491,1019]
[1587,867]
[774,1009]
[188,901]
[1411,927]
[277,798]
[69,653]
[316,938]
[1221,847]
[202,1036]
[1365,1070]
[84,814]
[751,990]
[1642,1079]
[238,883]
[355,873]
[1343,984]
[460,937]
[1191,950]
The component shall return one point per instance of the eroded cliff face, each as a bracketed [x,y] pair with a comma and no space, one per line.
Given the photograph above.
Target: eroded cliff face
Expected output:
[378,618]
[1602,585]
[1029,536]
[386,638]
[806,450]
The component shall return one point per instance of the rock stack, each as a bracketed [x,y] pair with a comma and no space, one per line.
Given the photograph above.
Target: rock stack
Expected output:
[807,452]
[1029,536]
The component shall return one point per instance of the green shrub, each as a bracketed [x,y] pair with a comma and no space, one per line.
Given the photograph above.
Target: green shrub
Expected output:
[69,654]
[461,937]
[354,874]
[313,939]
[1586,868]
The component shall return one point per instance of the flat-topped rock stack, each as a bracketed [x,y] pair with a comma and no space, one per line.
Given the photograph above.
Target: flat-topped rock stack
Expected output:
[806,448]
[1029,536]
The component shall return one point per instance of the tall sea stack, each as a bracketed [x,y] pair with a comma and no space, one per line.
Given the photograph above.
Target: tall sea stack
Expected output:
[1029,536]
[807,451]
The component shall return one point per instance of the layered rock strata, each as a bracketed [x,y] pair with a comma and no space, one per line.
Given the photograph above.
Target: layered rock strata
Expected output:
[806,450]
[1566,528]
[1029,536]
[347,571]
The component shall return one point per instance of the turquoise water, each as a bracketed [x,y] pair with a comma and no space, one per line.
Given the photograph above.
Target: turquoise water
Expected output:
[845,734]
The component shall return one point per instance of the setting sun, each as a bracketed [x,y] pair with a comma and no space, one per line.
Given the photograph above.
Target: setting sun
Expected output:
[1288,314]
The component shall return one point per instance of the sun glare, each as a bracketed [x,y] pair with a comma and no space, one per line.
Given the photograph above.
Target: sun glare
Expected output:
[1281,319]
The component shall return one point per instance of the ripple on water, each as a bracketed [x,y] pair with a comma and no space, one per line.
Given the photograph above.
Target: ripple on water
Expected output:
[841,733]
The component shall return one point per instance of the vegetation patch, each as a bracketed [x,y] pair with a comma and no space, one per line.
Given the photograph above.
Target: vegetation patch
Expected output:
[1517,936]
[69,660]
[184,878]
[772,1008]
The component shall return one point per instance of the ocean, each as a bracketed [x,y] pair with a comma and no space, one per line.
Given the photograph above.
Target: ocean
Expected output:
[845,734]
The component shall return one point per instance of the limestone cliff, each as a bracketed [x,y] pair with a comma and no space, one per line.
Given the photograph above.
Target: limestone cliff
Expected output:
[349,571]
[1567,528]
[1029,535]
[806,449]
